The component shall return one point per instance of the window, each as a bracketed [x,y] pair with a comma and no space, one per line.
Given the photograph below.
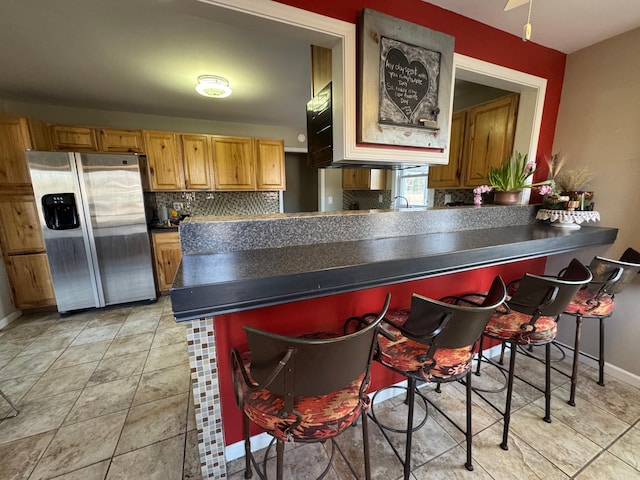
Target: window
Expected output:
[411,184]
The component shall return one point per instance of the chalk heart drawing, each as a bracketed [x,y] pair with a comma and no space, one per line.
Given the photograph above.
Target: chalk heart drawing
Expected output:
[407,101]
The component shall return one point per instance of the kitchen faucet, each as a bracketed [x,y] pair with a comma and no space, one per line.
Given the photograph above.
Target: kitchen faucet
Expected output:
[393,203]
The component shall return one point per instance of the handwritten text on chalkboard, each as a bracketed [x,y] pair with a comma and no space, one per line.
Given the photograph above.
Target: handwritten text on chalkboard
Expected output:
[408,83]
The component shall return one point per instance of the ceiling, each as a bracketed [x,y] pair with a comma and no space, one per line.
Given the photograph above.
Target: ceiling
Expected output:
[143,56]
[564,25]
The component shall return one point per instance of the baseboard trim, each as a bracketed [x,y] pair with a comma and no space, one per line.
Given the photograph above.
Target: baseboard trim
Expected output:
[9,318]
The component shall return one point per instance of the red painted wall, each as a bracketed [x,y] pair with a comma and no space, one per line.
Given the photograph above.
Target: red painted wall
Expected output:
[473,39]
[329,314]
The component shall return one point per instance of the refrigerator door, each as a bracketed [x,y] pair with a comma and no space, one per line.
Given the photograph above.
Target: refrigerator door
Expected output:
[58,199]
[115,214]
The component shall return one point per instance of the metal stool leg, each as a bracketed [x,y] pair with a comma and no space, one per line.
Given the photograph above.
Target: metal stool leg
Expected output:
[601,357]
[547,383]
[411,395]
[576,358]
[507,407]
[468,433]
[17,411]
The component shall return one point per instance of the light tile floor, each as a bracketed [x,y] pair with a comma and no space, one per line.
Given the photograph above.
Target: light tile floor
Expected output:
[106,395]
[103,394]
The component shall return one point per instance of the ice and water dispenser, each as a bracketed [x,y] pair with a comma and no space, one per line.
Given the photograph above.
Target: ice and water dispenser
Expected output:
[60,211]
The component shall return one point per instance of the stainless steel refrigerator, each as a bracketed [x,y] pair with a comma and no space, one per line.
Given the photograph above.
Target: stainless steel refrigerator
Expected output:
[93,221]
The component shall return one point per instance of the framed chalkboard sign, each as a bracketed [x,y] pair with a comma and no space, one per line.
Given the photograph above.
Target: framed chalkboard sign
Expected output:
[405,80]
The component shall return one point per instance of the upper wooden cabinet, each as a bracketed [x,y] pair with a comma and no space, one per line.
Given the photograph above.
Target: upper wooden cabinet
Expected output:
[270,164]
[164,162]
[491,130]
[114,140]
[320,68]
[450,175]
[481,136]
[196,150]
[234,165]
[364,179]
[17,135]
[69,138]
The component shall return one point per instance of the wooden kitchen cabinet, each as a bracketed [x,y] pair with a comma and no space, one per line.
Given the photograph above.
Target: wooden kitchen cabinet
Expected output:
[364,179]
[30,280]
[450,175]
[270,172]
[481,136]
[491,130]
[167,257]
[17,135]
[164,162]
[234,165]
[21,239]
[70,138]
[196,151]
[113,140]
[19,224]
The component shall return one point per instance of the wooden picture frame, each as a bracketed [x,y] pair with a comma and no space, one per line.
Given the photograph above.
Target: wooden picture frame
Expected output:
[405,83]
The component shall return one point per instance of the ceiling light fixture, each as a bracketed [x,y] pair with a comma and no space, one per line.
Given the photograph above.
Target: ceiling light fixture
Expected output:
[213,86]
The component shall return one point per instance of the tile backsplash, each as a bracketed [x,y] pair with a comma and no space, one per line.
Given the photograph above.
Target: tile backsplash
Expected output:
[457,195]
[214,203]
[365,199]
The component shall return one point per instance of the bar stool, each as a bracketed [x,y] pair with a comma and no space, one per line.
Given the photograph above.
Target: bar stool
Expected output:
[434,341]
[304,389]
[529,318]
[596,301]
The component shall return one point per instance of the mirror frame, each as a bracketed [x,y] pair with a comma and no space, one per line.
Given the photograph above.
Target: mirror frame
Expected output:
[341,38]
[532,91]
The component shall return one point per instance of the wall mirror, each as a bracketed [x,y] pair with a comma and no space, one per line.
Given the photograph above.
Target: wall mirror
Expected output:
[340,37]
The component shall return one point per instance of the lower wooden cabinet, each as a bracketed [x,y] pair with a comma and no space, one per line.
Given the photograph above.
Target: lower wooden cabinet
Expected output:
[30,280]
[167,256]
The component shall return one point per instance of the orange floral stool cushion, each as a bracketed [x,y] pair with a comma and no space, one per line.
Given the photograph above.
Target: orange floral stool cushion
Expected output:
[323,416]
[408,356]
[584,304]
[513,326]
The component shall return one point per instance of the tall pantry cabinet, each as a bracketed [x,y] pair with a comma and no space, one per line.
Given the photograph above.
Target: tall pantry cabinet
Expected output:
[21,239]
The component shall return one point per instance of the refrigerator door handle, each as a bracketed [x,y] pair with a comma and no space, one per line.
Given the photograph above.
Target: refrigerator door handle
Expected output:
[87,230]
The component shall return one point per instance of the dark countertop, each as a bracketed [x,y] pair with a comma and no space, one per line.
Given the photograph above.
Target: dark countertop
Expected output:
[215,283]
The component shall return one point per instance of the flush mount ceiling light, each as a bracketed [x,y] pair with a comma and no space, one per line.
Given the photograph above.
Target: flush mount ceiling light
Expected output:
[213,86]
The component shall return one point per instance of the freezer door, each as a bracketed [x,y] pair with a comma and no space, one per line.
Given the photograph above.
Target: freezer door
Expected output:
[113,192]
[56,188]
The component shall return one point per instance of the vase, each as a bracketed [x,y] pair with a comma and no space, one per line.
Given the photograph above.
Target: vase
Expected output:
[506,198]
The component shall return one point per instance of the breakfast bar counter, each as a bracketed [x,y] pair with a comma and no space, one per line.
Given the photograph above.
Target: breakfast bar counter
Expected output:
[215,283]
[288,272]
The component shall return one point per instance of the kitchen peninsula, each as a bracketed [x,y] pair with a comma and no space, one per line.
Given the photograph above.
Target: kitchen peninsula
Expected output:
[295,273]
